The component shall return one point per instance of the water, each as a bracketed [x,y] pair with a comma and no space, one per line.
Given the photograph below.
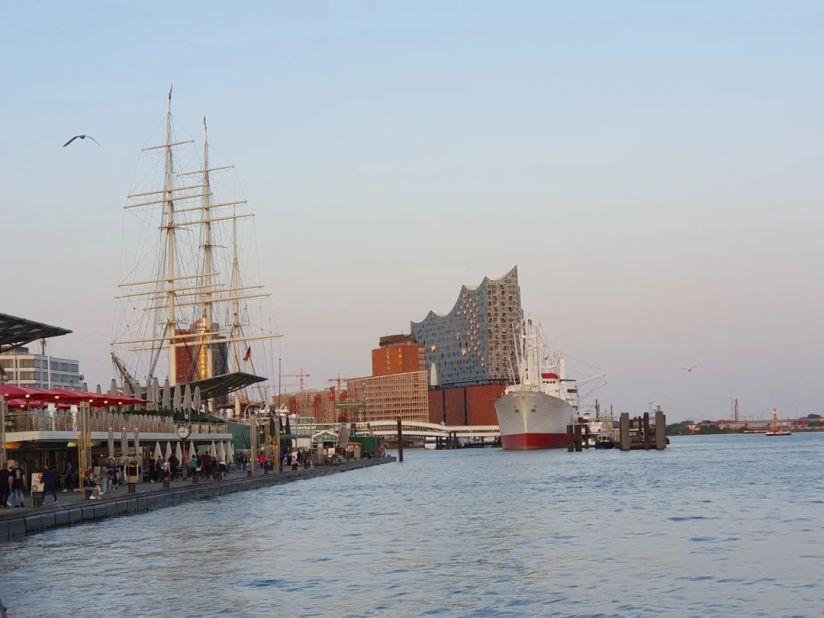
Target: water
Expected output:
[716,525]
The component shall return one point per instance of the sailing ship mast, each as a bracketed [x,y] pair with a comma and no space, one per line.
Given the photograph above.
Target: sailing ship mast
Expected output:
[173,291]
[169,207]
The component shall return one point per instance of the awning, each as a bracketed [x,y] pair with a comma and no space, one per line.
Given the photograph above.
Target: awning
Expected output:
[221,385]
[65,396]
[15,331]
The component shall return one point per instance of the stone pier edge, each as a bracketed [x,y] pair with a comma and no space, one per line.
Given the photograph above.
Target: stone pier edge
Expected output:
[14,528]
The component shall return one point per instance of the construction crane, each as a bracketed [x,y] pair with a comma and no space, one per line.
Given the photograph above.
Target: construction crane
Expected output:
[338,380]
[300,376]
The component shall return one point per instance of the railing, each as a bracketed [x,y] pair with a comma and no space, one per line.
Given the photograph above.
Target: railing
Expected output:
[101,421]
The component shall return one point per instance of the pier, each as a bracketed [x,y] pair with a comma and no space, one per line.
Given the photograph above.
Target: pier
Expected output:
[73,509]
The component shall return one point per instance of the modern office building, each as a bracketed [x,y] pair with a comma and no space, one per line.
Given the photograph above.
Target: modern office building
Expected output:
[475,342]
[400,395]
[22,367]
[196,360]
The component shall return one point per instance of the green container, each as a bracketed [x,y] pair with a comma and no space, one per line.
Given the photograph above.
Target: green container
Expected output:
[369,444]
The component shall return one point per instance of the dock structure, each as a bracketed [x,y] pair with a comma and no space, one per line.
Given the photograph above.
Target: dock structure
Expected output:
[73,510]
[638,433]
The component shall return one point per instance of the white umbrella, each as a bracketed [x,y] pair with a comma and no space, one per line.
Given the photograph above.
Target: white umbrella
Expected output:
[157,451]
[179,453]
[212,452]
[168,453]
[230,451]
[124,444]
[155,392]
[98,391]
[176,398]
[137,452]
[111,443]
[221,452]
[192,450]
[166,398]
[187,397]
[196,403]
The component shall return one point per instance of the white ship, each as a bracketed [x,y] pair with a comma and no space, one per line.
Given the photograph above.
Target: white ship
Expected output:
[534,412]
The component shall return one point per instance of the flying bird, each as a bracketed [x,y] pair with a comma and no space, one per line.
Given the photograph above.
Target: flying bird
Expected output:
[690,368]
[81,137]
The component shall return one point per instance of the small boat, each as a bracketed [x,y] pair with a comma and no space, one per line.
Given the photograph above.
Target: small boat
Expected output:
[774,430]
[604,442]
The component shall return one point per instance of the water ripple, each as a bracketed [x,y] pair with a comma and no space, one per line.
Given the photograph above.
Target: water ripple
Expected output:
[716,525]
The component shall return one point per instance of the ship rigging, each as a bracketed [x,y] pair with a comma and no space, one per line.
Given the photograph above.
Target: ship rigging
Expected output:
[192,314]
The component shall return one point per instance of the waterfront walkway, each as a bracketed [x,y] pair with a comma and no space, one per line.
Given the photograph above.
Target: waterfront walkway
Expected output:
[72,508]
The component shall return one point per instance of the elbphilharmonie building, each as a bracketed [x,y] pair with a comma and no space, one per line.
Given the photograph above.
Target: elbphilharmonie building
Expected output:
[475,342]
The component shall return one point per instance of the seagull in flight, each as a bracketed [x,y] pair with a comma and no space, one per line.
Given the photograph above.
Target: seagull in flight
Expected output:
[690,368]
[81,137]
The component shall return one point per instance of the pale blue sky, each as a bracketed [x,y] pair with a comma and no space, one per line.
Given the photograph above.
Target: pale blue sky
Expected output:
[652,168]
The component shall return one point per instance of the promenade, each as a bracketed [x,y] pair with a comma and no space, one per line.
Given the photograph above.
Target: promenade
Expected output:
[72,508]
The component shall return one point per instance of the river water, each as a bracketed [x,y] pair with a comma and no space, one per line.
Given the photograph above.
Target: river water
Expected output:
[715,525]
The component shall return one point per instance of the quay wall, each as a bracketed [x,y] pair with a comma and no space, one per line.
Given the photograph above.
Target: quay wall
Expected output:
[46,518]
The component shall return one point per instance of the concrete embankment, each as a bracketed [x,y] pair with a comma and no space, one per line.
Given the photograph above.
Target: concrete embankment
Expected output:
[28,521]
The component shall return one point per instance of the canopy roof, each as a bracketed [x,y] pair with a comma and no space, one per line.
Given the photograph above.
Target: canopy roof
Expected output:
[218,386]
[15,331]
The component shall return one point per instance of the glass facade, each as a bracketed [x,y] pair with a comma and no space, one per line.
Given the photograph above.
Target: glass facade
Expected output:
[475,342]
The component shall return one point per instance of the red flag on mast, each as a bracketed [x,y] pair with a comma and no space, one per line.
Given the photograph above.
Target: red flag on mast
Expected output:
[247,355]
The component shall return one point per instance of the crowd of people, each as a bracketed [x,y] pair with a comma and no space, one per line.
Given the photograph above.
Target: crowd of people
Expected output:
[109,474]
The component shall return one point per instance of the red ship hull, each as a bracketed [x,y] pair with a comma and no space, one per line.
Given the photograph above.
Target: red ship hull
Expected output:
[525,441]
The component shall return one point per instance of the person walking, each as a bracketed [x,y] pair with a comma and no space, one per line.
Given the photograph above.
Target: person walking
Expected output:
[18,484]
[193,465]
[48,482]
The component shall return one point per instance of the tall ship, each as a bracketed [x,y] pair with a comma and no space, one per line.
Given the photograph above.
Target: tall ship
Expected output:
[188,317]
[534,411]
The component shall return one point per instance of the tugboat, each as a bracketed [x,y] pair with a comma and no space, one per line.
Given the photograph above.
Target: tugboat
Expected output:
[774,430]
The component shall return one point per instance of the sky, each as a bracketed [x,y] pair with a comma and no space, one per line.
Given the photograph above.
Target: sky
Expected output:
[652,168]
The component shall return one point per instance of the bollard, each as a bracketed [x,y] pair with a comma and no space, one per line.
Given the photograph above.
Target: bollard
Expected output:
[578,447]
[166,483]
[660,430]
[570,439]
[132,487]
[646,431]
[400,441]
[37,499]
[624,439]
